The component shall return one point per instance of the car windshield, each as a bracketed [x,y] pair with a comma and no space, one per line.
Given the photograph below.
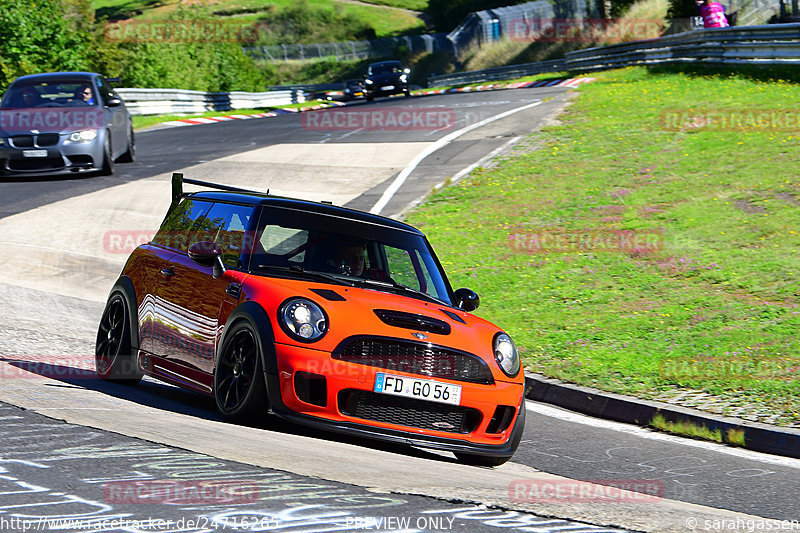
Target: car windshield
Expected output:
[51,93]
[299,243]
[384,68]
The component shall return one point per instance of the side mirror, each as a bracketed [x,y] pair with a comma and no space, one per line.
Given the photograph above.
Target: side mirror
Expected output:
[467,300]
[208,253]
[113,102]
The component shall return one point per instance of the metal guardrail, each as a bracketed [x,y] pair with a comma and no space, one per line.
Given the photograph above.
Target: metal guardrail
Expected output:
[497,73]
[776,44]
[179,101]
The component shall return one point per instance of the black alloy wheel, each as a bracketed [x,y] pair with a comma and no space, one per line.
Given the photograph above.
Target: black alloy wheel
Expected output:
[239,386]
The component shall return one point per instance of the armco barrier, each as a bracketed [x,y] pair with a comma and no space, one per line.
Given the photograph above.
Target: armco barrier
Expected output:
[178,101]
[497,73]
[776,44]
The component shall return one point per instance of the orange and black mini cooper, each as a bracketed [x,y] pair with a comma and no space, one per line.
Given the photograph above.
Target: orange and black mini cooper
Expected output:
[322,315]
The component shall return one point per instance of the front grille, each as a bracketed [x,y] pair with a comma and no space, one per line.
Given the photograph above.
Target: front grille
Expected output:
[408,412]
[415,358]
[22,141]
[36,163]
[47,139]
[399,319]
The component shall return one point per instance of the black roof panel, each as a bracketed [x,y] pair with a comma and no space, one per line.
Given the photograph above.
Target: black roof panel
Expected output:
[257,199]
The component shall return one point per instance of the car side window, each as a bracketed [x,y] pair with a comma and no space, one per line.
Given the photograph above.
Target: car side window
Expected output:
[105,90]
[180,223]
[226,225]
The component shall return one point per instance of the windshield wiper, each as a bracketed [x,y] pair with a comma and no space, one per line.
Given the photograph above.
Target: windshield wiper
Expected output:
[308,273]
[402,288]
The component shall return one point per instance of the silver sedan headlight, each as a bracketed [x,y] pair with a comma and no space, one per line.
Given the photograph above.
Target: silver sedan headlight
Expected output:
[303,320]
[506,355]
[84,136]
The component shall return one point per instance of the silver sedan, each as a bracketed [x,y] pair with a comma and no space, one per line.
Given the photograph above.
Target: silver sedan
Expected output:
[63,123]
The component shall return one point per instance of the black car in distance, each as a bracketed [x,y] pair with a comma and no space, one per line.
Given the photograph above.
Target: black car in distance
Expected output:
[385,79]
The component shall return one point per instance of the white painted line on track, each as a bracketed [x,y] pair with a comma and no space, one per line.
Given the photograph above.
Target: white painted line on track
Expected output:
[484,159]
[401,178]
[636,431]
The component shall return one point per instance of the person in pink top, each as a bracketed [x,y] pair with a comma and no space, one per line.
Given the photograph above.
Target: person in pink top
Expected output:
[713,14]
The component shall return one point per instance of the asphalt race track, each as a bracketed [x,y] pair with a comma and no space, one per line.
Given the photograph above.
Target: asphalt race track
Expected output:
[64,242]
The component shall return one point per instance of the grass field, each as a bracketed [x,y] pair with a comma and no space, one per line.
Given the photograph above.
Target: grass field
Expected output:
[385,22]
[639,251]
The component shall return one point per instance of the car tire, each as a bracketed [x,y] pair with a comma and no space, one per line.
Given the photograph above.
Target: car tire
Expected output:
[481,460]
[407,93]
[114,357]
[108,158]
[370,97]
[130,155]
[239,386]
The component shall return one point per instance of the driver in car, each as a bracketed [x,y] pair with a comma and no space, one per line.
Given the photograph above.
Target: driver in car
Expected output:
[352,259]
[83,94]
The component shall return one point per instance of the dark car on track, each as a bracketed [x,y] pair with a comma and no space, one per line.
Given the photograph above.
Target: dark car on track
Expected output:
[326,316]
[386,78]
[353,89]
[63,123]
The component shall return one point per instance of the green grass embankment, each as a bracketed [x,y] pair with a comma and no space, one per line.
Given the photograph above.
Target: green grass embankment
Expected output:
[706,298]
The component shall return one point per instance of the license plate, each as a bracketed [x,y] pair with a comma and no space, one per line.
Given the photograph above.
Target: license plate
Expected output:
[34,153]
[387,88]
[421,389]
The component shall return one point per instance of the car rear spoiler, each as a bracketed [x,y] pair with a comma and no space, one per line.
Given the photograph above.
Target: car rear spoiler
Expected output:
[177,187]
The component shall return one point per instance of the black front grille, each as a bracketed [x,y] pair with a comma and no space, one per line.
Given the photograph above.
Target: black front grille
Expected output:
[36,163]
[408,412]
[47,139]
[415,358]
[399,319]
[22,141]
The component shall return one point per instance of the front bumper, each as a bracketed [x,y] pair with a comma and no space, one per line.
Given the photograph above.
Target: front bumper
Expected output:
[343,378]
[64,157]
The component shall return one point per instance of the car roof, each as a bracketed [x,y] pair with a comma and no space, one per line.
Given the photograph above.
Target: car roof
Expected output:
[56,75]
[386,63]
[257,199]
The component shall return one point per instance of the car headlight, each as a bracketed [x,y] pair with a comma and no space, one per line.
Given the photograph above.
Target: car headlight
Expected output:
[83,136]
[403,78]
[368,82]
[303,320]
[506,355]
